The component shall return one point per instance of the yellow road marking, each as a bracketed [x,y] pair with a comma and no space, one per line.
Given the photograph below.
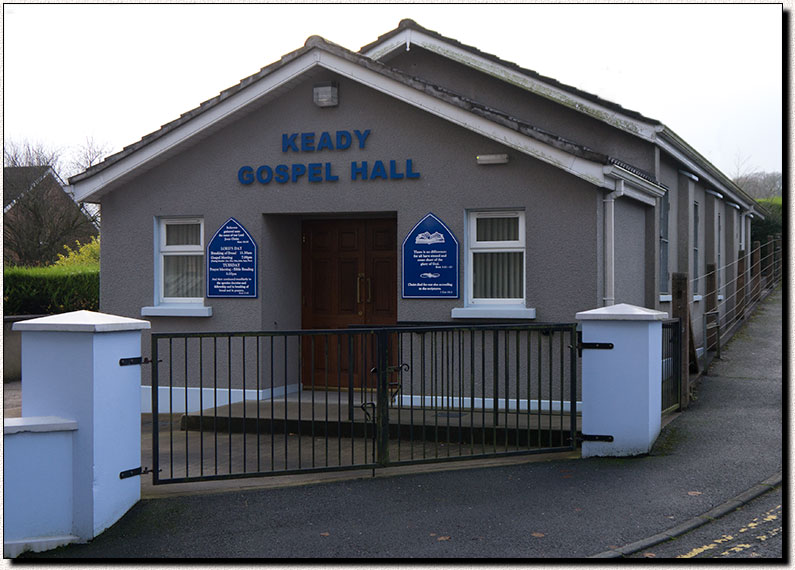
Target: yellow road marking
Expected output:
[769,516]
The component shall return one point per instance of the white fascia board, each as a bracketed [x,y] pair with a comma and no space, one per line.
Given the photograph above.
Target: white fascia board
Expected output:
[671,149]
[635,187]
[580,167]
[410,37]
[84,190]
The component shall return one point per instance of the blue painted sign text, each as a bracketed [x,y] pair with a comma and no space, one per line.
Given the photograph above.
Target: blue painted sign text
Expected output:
[310,142]
[232,262]
[430,261]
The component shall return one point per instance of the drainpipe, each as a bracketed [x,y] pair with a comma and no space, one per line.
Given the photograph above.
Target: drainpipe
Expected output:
[610,244]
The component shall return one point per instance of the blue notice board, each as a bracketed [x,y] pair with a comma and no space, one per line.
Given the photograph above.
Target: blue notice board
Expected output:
[232,262]
[430,261]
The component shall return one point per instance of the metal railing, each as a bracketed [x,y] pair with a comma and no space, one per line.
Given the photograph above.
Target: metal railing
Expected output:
[271,403]
[671,365]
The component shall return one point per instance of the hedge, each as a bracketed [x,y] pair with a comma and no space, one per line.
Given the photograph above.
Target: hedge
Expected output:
[772,224]
[50,290]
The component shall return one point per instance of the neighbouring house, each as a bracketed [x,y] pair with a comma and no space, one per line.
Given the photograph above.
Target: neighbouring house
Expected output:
[40,217]
[417,180]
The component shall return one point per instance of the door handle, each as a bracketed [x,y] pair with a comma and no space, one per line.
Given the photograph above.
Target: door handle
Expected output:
[369,291]
[359,278]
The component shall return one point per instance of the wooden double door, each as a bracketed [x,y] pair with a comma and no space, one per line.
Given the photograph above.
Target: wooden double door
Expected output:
[349,277]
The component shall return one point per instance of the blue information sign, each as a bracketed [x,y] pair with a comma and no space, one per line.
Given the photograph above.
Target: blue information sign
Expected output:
[232,262]
[430,261]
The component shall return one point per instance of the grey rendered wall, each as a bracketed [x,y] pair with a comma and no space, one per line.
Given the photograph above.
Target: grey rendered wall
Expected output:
[202,181]
[561,120]
[630,225]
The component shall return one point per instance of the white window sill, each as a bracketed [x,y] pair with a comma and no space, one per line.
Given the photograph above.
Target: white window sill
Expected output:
[720,297]
[666,298]
[494,312]
[697,298]
[177,310]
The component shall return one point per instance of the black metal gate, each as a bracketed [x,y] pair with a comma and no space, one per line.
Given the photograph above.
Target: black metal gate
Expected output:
[236,405]
[671,365]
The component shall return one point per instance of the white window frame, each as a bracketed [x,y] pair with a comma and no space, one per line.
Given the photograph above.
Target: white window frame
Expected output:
[508,246]
[473,308]
[175,306]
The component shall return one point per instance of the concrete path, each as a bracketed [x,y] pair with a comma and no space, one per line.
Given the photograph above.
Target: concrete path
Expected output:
[710,459]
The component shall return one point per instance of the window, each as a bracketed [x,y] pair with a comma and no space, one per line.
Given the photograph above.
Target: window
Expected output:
[496,258]
[664,206]
[179,271]
[181,260]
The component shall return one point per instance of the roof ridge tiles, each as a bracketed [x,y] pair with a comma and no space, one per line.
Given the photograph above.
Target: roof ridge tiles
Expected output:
[408,23]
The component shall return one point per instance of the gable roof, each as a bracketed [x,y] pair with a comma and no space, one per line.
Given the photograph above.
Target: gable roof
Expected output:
[20,179]
[318,54]
[410,33]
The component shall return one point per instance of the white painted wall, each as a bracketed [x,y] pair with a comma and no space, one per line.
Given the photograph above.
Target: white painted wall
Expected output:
[622,387]
[37,484]
[70,368]
[178,399]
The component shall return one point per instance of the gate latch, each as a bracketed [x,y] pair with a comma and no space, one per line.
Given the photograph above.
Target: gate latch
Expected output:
[134,361]
[392,369]
[134,472]
[367,407]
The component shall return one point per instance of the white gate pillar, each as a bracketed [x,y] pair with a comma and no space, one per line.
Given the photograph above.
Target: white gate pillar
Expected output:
[71,369]
[621,386]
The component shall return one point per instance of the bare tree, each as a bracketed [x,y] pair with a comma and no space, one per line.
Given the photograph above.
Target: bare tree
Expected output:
[27,153]
[40,221]
[89,153]
[760,184]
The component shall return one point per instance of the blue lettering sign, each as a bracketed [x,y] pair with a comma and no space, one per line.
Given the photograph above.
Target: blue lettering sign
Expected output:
[430,261]
[378,171]
[394,174]
[232,262]
[329,176]
[264,174]
[282,173]
[358,170]
[322,172]
[307,142]
[410,169]
[325,142]
[245,175]
[361,137]
[298,171]
[288,142]
[343,140]
[315,172]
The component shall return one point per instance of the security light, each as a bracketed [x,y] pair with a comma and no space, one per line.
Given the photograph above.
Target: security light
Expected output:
[325,94]
[492,158]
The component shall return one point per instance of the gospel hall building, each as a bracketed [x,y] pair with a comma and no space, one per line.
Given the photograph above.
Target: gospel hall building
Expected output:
[417,180]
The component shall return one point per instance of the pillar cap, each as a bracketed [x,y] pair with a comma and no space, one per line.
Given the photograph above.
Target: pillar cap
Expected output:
[621,312]
[82,321]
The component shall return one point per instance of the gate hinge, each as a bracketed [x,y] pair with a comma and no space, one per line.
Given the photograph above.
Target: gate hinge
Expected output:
[135,360]
[590,437]
[591,345]
[134,472]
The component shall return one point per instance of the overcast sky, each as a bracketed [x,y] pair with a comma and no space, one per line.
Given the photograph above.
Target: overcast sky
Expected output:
[712,73]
